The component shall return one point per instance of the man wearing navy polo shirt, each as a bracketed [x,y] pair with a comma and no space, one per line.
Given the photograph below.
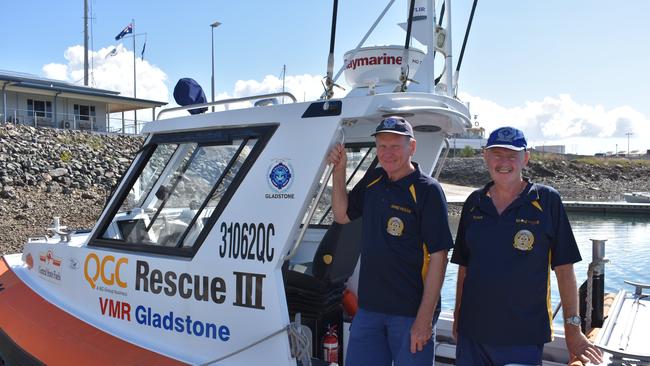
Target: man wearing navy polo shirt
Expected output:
[403,255]
[511,234]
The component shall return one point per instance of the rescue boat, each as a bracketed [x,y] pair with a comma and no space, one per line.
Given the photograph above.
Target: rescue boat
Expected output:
[217,247]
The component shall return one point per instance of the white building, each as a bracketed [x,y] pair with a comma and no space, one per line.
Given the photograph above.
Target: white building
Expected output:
[556,149]
[473,137]
[40,102]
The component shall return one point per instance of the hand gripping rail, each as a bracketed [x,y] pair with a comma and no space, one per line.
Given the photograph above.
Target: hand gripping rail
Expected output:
[226,101]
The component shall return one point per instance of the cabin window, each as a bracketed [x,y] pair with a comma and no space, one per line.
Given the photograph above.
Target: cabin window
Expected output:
[84,112]
[39,108]
[361,158]
[181,187]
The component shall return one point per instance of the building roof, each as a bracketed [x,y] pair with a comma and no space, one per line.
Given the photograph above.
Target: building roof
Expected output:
[28,83]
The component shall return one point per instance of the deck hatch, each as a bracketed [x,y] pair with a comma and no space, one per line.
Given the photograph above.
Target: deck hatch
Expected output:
[180,185]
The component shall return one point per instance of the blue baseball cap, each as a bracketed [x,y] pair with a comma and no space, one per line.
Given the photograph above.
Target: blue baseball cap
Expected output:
[396,125]
[507,138]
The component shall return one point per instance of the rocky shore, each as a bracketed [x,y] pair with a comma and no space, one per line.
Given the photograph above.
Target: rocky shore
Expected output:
[576,178]
[46,173]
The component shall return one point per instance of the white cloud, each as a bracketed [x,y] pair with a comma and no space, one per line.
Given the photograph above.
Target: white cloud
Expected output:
[111,72]
[561,120]
[303,87]
[115,73]
[56,71]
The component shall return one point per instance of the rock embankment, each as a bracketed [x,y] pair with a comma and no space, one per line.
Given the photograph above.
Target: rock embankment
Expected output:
[577,179]
[46,173]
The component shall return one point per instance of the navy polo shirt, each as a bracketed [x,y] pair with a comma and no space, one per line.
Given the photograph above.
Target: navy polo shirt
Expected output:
[508,259]
[403,221]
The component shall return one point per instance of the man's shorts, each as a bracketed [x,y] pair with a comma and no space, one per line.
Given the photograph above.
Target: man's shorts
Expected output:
[471,353]
[378,339]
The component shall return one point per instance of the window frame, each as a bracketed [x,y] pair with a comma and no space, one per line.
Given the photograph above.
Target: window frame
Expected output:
[84,117]
[45,112]
[213,136]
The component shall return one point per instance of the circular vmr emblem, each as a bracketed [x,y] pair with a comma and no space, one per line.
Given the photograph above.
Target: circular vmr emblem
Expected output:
[524,240]
[389,122]
[395,226]
[280,176]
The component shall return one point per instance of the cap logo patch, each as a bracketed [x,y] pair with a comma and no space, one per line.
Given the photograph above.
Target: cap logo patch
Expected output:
[395,226]
[524,240]
[389,122]
[506,134]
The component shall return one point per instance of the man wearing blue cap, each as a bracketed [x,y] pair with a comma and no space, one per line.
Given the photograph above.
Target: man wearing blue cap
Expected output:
[511,234]
[403,255]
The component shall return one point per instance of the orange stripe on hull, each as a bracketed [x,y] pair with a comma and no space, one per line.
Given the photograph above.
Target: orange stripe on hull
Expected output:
[55,337]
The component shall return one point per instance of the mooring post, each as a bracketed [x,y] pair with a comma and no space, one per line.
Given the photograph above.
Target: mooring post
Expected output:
[598,281]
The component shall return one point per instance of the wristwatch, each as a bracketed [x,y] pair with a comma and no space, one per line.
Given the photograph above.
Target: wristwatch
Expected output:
[573,320]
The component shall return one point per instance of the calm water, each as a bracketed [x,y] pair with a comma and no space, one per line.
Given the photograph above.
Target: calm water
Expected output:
[627,248]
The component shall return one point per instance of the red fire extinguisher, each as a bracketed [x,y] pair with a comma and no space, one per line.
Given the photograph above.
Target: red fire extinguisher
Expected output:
[331,345]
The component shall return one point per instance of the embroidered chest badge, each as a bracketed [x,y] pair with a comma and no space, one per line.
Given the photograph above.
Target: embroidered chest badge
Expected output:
[524,240]
[395,226]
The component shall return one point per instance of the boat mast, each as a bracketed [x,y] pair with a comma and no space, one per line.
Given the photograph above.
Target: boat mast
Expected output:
[462,49]
[449,64]
[404,74]
[329,82]
[428,68]
[423,29]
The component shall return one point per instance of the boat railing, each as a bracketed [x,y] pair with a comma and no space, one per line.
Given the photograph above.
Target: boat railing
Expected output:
[226,102]
[312,210]
[444,158]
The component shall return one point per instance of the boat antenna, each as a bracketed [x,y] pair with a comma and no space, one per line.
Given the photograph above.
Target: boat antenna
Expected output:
[462,50]
[405,58]
[329,82]
[284,75]
[442,16]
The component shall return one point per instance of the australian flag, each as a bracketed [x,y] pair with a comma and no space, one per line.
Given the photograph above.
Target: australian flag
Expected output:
[127,30]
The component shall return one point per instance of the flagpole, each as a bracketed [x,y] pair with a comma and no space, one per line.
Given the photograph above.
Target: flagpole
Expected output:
[135,112]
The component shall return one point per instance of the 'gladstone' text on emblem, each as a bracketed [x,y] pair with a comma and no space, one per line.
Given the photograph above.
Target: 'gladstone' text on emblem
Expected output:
[280,177]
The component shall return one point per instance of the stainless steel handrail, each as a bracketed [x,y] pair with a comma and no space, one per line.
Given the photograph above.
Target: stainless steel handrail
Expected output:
[444,158]
[312,210]
[226,101]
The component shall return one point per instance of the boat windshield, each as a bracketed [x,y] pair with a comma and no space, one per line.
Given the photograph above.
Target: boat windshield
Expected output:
[180,185]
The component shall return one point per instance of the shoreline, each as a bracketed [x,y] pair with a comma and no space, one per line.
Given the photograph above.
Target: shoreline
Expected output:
[46,173]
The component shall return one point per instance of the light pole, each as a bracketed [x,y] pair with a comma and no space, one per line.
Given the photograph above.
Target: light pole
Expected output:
[628,134]
[212,26]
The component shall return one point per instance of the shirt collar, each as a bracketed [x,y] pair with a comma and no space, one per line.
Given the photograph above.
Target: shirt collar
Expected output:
[530,193]
[405,181]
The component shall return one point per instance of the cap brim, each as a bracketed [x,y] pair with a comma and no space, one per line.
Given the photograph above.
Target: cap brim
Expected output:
[393,132]
[509,147]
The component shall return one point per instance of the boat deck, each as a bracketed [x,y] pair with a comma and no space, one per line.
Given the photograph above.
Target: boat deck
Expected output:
[623,336]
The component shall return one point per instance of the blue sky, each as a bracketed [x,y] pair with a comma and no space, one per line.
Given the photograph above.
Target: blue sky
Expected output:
[571,72]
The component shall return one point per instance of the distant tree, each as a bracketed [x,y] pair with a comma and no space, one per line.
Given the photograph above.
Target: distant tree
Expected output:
[467,152]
